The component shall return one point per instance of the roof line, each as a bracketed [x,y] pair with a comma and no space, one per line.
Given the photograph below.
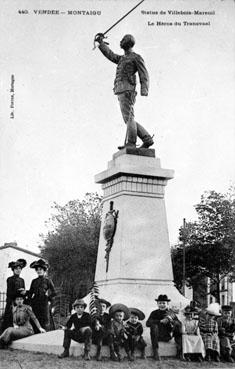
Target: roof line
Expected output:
[20,249]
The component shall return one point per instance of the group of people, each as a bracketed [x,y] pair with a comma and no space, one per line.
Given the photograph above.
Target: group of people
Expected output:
[208,334]
[26,312]
[199,335]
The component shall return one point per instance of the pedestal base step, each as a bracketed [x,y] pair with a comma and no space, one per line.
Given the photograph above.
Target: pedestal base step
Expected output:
[51,343]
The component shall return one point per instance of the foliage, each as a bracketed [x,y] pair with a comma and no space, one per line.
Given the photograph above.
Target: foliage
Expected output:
[94,305]
[71,244]
[61,308]
[209,243]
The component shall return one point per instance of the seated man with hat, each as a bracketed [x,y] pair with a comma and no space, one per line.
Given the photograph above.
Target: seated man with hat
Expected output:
[164,324]
[118,336]
[209,331]
[226,325]
[22,315]
[135,331]
[82,331]
[101,326]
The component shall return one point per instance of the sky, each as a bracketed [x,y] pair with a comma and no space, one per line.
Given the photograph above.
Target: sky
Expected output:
[67,123]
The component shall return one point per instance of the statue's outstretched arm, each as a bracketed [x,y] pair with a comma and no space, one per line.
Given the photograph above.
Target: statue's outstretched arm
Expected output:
[109,53]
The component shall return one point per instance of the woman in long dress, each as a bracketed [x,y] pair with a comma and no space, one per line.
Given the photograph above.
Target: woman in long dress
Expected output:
[41,292]
[192,342]
[15,284]
[22,315]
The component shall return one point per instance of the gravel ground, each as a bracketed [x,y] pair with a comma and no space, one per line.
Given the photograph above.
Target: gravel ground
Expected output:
[15,359]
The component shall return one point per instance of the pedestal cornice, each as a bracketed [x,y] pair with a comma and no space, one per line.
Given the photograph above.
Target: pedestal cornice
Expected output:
[133,165]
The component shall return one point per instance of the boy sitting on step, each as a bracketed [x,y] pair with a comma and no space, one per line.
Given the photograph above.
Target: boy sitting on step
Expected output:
[118,336]
[82,332]
[101,326]
[135,330]
[164,325]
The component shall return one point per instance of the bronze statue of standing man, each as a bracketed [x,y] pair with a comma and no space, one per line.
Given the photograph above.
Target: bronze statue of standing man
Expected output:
[125,87]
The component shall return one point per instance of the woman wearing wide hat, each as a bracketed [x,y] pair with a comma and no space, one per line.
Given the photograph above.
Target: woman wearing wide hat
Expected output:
[22,317]
[41,292]
[14,284]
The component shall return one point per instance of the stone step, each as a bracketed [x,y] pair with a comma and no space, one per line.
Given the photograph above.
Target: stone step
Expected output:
[51,343]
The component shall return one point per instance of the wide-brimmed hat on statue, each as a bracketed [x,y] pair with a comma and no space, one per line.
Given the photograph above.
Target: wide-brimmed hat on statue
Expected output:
[162,298]
[18,263]
[103,301]
[120,307]
[79,302]
[213,309]
[226,308]
[40,263]
[137,312]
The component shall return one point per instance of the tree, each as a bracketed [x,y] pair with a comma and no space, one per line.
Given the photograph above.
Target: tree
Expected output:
[209,243]
[71,244]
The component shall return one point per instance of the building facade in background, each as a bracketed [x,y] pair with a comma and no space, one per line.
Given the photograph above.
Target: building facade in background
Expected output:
[11,252]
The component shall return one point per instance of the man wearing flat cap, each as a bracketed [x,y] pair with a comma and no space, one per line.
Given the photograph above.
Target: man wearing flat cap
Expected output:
[164,325]
[226,325]
[82,331]
[15,284]
[125,84]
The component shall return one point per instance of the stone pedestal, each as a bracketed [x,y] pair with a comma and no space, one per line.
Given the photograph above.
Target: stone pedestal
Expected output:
[139,262]
[140,265]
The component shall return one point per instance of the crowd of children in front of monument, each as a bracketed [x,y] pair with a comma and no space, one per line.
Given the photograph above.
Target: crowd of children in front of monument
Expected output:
[201,335]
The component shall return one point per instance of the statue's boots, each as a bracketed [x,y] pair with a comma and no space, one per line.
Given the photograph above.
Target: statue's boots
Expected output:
[156,355]
[128,144]
[147,142]
[64,354]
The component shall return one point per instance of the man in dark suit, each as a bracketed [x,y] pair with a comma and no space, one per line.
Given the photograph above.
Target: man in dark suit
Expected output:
[164,325]
[124,86]
[82,331]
